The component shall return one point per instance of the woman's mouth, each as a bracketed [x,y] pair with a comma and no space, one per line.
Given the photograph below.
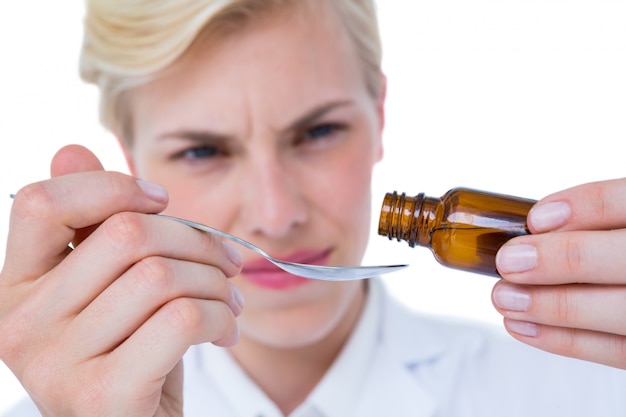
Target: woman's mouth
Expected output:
[263,273]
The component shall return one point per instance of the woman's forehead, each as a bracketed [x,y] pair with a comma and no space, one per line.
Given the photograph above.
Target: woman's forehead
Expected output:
[271,64]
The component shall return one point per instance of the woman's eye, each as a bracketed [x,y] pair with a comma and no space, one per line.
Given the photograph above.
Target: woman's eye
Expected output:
[199,152]
[321,131]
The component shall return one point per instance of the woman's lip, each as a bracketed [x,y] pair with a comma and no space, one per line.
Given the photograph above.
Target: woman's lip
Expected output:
[263,273]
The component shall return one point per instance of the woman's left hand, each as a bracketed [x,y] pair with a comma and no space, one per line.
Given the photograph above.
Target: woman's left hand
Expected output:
[564,286]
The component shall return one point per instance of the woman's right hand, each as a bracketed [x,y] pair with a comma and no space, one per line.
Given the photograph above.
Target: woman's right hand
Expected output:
[101,329]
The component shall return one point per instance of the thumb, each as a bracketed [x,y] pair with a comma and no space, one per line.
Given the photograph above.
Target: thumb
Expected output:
[74,158]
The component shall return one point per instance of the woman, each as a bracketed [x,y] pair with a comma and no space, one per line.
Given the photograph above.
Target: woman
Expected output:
[264,119]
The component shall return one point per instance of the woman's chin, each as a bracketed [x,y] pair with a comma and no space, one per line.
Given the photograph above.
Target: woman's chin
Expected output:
[288,329]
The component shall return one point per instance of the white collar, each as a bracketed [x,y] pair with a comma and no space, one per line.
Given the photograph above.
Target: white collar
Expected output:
[373,370]
[238,390]
[342,386]
[336,393]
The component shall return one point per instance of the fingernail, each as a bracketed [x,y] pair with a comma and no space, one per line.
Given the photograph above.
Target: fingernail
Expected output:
[233,254]
[238,298]
[549,216]
[516,258]
[523,328]
[511,297]
[154,191]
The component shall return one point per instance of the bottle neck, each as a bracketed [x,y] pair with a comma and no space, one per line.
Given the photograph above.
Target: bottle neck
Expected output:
[407,218]
[425,220]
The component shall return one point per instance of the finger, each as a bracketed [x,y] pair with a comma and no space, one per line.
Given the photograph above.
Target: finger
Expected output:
[604,348]
[74,158]
[157,346]
[122,241]
[139,293]
[565,257]
[45,216]
[593,206]
[69,160]
[578,306]
[52,302]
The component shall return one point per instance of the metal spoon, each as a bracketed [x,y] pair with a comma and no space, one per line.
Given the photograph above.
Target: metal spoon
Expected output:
[321,272]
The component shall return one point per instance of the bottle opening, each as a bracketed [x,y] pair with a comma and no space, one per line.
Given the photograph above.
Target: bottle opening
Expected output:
[396,216]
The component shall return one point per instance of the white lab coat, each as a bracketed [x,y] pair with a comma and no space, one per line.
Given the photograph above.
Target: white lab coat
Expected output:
[426,367]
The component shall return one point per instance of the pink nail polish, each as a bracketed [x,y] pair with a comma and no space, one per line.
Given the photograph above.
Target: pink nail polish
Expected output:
[233,254]
[516,258]
[154,191]
[238,298]
[523,328]
[511,297]
[549,216]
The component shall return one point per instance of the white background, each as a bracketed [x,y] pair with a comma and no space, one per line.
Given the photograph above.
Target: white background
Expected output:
[521,97]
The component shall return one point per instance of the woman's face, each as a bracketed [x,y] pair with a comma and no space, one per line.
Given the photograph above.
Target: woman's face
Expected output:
[270,134]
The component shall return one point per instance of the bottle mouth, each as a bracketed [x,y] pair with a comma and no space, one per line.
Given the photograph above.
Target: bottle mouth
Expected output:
[389,213]
[396,216]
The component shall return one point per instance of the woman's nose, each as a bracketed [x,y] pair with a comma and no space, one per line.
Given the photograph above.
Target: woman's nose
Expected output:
[274,202]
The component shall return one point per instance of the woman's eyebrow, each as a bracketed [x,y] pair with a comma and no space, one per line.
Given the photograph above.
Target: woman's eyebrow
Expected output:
[204,136]
[303,122]
[315,114]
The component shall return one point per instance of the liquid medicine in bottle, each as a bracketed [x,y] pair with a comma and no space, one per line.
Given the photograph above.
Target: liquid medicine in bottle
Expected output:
[464,228]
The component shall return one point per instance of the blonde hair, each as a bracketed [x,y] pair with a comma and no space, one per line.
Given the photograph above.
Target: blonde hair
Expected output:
[127,43]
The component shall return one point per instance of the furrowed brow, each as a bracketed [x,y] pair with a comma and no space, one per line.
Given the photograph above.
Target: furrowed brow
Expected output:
[201,136]
[315,114]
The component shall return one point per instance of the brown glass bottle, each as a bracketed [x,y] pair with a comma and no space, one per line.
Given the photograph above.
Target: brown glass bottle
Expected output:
[464,228]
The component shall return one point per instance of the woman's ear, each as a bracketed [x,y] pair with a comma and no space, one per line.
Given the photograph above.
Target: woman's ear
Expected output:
[380,105]
[380,111]
[128,155]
